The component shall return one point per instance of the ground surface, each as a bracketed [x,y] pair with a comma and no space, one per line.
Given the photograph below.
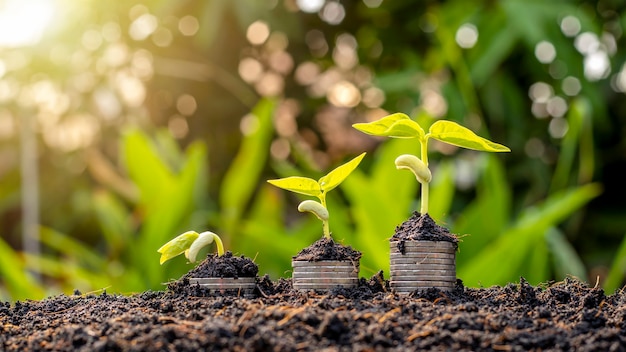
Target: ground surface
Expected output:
[518,317]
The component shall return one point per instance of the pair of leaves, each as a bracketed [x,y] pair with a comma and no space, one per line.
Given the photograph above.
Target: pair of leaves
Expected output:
[401,126]
[189,243]
[310,187]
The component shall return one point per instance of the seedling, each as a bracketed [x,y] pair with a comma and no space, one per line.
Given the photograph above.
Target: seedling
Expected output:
[190,243]
[401,126]
[319,189]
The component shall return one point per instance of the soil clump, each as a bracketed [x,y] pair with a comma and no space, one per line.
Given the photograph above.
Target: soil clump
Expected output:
[328,249]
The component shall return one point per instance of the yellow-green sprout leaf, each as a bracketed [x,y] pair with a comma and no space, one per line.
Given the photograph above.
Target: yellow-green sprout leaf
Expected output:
[335,177]
[455,134]
[204,239]
[396,125]
[297,184]
[177,246]
[314,207]
[415,165]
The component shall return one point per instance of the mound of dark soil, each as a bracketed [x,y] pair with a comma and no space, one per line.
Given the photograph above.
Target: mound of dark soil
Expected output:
[327,249]
[518,317]
[226,265]
[422,228]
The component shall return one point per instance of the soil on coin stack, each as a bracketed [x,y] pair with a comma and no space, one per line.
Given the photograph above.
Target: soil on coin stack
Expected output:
[327,249]
[421,227]
[566,315]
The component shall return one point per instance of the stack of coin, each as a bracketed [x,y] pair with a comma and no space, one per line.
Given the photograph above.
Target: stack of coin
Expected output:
[324,275]
[423,265]
[241,286]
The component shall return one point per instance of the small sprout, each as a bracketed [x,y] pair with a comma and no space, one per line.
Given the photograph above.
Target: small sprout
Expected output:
[399,125]
[319,189]
[314,207]
[189,243]
[416,166]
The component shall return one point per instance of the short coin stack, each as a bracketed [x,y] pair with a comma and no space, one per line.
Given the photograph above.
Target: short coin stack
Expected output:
[240,286]
[324,275]
[423,265]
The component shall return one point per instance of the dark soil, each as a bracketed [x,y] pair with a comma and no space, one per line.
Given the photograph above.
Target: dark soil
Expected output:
[563,316]
[226,265]
[327,249]
[421,228]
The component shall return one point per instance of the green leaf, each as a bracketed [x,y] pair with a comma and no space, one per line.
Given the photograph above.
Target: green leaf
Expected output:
[177,246]
[298,184]
[241,179]
[396,125]
[566,260]
[455,134]
[15,278]
[335,177]
[617,273]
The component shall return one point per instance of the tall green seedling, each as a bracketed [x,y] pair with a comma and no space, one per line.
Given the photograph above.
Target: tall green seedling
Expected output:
[399,125]
[319,189]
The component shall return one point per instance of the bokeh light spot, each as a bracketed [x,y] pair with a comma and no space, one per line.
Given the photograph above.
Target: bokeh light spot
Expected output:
[545,52]
[162,37]
[188,25]
[258,32]
[597,66]
[344,95]
[467,36]
[557,106]
[178,126]
[570,26]
[307,73]
[540,92]
[250,69]
[310,6]
[571,86]
[143,26]
[558,127]
[186,105]
[333,13]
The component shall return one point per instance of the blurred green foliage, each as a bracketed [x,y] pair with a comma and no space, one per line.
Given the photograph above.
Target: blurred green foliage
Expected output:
[161,116]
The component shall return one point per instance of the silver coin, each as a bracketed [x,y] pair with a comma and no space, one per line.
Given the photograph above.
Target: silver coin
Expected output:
[423,255]
[422,284]
[317,286]
[338,281]
[306,274]
[422,261]
[422,250]
[429,244]
[326,270]
[301,263]
[419,272]
[410,279]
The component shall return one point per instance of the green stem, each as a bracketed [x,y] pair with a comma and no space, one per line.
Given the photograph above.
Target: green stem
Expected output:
[425,185]
[325,223]
[219,244]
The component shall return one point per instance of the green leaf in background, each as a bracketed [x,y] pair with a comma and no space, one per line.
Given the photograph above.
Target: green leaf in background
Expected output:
[15,279]
[502,260]
[396,125]
[455,134]
[114,221]
[242,177]
[298,184]
[442,190]
[617,272]
[566,260]
[336,176]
